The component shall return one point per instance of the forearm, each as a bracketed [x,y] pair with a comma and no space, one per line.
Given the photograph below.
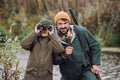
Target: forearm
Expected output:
[26,43]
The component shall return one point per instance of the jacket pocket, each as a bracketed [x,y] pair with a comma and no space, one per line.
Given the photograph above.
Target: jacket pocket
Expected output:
[50,71]
[32,72]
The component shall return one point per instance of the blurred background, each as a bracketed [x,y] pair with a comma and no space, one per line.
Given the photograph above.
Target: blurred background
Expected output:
[101,17]
[18,18]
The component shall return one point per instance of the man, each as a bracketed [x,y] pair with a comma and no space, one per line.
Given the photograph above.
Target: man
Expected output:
[42,46]
[75,64]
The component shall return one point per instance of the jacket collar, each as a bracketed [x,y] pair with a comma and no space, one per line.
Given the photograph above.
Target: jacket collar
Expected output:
[73,37]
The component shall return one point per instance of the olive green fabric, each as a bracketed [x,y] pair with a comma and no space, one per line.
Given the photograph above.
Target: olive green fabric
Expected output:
[46,22]
[74,66]
[40,62]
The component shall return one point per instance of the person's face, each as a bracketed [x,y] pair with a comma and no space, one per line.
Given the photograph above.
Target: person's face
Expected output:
[62,26]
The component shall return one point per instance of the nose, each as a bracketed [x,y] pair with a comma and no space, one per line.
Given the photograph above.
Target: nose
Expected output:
[63,25]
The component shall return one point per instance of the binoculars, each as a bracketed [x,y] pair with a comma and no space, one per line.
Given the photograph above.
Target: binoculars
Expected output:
[44,27]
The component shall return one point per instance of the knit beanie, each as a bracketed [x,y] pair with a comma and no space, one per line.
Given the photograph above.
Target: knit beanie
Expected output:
[46,22]
[61,15]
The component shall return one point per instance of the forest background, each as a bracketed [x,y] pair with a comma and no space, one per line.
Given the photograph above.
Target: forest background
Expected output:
[100,17]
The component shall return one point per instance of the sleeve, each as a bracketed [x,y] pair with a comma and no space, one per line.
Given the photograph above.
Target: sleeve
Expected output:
[27,42]
[58,51]
[57,46]
[94,48]
[58,59]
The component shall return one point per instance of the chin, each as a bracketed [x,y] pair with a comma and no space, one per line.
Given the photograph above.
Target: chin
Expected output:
[63,32]
[44,35]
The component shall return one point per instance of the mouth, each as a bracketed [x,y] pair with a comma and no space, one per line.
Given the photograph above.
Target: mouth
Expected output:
[63,30]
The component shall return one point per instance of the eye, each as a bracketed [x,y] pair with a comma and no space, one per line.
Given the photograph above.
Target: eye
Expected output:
[66,22]
[59,23]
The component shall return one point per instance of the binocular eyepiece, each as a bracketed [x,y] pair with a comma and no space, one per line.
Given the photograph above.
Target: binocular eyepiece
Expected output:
[44,27]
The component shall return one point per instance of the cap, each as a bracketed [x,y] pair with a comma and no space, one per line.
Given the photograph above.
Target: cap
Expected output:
[61,15]
[45,22]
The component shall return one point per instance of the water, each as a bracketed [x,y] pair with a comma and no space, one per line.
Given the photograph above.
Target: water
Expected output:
[109,69]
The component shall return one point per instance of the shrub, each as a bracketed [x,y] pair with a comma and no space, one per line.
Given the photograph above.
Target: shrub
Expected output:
[8,61]
[100,40]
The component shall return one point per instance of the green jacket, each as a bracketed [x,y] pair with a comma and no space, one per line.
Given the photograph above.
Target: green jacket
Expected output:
[72,66]
[40,62]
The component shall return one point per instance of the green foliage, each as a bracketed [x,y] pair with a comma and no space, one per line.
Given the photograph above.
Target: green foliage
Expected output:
[100,40]
[8,60]
[2,35]
[112,40]
[24,33]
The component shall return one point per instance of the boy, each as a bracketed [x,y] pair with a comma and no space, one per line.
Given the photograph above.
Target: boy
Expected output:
[42,46]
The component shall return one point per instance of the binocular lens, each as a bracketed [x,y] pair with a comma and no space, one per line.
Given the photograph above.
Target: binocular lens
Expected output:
[42,27]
